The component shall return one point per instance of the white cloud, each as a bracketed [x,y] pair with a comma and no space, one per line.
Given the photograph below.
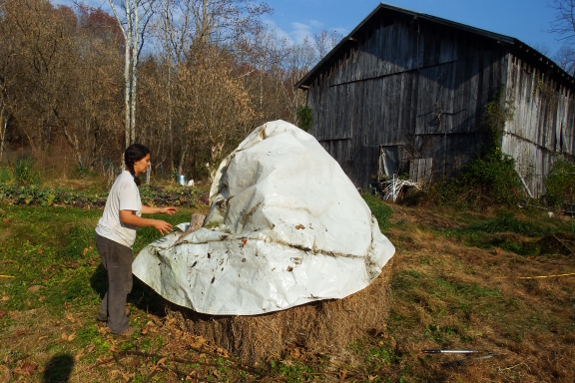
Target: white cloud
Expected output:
[316,23]
[300,32]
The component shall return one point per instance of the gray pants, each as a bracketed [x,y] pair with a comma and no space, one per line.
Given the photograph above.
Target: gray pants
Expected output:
[117,260]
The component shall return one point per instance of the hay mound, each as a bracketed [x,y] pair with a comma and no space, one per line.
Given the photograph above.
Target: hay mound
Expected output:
[323,327]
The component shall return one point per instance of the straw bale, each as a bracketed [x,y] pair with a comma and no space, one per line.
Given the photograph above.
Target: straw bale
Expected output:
[323,327]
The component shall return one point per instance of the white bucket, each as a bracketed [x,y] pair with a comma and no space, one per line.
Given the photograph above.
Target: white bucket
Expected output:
[182,180]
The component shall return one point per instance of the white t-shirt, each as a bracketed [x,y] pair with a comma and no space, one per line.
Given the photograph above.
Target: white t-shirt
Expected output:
[124,195]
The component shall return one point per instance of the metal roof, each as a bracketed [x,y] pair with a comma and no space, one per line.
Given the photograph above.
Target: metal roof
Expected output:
[518,45]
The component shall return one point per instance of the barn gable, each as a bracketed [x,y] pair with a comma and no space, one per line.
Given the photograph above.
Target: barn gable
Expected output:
[406,92]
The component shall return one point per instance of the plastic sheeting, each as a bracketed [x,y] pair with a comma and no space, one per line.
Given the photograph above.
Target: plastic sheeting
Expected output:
[286,227]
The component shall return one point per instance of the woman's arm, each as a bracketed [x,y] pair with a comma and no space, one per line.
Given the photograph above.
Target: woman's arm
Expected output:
[129,218]
[158,210]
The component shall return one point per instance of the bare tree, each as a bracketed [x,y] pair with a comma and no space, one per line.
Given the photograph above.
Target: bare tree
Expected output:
[563,26]
[136,15]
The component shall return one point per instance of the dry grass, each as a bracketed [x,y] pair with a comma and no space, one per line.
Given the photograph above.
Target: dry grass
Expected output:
[451,286]
[324,327]
[450,296]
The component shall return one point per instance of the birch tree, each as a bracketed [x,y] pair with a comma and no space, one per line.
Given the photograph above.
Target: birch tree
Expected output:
[137,14]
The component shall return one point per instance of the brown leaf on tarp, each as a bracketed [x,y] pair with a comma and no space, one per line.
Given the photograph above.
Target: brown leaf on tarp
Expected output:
[300,226]
[27,368]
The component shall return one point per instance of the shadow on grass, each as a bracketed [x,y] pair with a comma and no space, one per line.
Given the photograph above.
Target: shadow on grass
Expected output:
[58,369]
[142,296]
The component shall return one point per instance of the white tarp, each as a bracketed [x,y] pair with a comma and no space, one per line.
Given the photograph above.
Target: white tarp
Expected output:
[286,227]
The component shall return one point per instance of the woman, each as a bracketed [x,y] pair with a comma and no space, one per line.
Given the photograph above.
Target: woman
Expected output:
[116,233]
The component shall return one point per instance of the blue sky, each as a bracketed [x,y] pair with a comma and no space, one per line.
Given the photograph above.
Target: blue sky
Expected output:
[526,20]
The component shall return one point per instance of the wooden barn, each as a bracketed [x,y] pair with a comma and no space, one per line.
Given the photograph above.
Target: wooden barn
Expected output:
[406,92]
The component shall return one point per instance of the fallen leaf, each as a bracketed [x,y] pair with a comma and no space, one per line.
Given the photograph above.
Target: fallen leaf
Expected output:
[289,268]
[2,313]
[70,318]
[5,261]
[198,342]
[41,298]
[43,337]
[147,327]
[6,220]
[71,337]
[85,251]
[90,348]
[372,378]
[35,288]
[40,251]
[26,369]
[102,359]
[300,226]
[113,348]
[342,374]
[244,241]
[5,298]
[162,362]
[64,337]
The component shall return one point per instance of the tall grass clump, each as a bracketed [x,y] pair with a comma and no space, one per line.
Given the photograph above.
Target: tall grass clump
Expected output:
[25,173]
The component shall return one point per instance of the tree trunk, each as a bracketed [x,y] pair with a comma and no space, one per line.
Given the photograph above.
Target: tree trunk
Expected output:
[183,158]
[3,128]
[127,79]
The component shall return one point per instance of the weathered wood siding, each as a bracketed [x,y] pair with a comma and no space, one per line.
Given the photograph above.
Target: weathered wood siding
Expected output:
[542,125]
[408,83]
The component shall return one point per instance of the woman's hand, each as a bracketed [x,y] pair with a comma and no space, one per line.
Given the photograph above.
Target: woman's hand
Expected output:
[168,210]
[162,226]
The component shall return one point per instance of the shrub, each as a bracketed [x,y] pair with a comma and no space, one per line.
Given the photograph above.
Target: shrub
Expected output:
[560,183]
[488,179]
[305,117]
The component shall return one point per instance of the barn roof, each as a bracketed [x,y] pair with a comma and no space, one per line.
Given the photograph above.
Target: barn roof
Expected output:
[530,54]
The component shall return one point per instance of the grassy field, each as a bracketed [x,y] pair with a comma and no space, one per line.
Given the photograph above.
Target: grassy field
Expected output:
[457,283]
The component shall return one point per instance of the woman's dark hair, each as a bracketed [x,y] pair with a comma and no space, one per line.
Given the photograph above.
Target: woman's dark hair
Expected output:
[135,153]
